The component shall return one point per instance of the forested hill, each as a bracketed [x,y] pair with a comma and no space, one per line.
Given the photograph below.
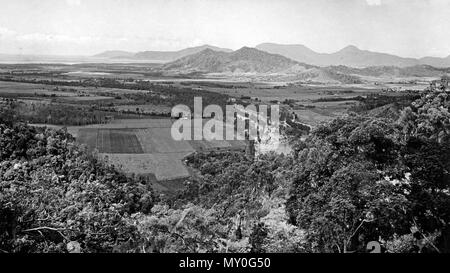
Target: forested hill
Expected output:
[354,180]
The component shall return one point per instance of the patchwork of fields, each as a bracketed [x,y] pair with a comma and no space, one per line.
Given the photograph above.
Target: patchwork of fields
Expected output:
[114,141]
[145,146]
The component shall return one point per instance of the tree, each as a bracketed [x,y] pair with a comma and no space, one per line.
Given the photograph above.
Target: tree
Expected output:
[54,195]
[360,178]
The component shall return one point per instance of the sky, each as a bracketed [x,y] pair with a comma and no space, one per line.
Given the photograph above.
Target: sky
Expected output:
[408,28]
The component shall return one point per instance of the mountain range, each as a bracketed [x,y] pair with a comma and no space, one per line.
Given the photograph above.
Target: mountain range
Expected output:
[254,62]
[165,56]
[350,56]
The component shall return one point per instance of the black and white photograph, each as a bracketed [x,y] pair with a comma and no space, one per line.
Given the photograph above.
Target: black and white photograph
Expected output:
[239,127]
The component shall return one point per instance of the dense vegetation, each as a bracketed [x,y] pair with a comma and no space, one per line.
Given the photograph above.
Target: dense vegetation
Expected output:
[375,100]
[356,179]
[361,179]
[53,195]
[64,114]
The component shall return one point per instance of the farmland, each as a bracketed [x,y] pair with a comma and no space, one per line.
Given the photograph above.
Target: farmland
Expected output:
[145,147]
[136,90]
[312,103]
[115,141]
[126,126]
[122,111]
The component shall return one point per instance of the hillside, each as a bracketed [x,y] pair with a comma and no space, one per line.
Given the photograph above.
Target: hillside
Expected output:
[355,57]
[349,56]
[274,67]
[56,197]
[299,53]
[437,62]
[244,60]
[255,63]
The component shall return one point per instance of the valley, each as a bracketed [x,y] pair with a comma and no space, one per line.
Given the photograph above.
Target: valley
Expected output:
[241,130]
[122,111]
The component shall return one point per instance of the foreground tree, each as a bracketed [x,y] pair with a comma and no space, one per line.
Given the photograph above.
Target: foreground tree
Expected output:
[55,197]
[360,179]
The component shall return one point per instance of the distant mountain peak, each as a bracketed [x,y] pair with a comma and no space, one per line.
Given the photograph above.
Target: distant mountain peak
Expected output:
[114,54]
[207,50]
[166,56]
[350,56]
[283,45]
[350,48]
[247,49]
[206,46]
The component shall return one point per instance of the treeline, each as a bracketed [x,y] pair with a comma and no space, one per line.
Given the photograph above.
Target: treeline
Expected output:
[66,114]
[157,93]
[373,101]
[215,85]
[334,99]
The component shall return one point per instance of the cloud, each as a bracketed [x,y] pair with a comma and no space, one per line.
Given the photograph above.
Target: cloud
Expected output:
[5,32]
[37,43]
[73,2]
[42,38]
[373,2]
